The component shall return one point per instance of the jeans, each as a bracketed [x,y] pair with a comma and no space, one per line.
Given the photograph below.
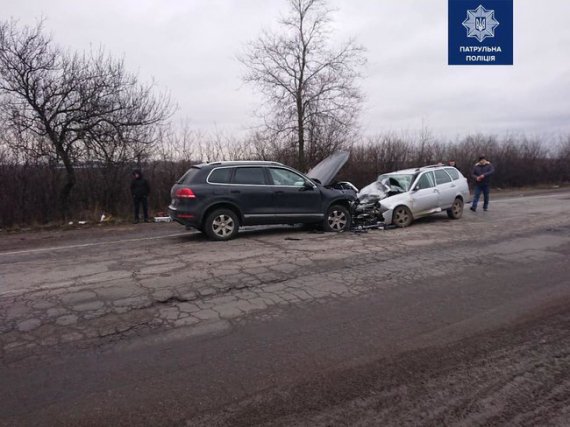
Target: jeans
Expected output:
[138,201]
[481,188]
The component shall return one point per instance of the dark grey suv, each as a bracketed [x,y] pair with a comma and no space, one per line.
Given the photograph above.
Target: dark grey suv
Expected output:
[217,198]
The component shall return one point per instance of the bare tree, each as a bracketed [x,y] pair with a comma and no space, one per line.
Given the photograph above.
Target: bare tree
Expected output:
[76,106]
[310,87]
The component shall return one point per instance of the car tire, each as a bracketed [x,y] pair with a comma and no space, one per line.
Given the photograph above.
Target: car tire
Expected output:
[402,216]
[456,210]
[221,224]
[338,219]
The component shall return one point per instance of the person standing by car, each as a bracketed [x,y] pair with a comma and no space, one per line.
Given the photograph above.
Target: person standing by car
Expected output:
[140,190]
[481,174]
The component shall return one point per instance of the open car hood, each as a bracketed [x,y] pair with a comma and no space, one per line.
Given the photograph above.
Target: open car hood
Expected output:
[326,170]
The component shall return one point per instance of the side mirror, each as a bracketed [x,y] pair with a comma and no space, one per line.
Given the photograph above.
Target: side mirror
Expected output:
[307,186]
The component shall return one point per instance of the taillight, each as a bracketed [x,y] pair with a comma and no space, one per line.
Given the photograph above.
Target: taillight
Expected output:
[185,193]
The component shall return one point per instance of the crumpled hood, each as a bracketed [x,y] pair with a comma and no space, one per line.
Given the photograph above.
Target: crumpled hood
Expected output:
[378,190]
[326,170]
[375,190]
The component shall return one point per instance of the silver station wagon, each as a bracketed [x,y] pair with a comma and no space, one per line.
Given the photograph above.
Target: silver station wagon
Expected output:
[414,193]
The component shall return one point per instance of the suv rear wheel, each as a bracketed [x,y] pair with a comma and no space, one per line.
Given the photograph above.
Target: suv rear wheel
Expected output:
[456,209]
[221,224]
[338,219]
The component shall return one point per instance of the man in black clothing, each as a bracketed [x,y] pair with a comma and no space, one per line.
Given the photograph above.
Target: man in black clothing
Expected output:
[482,175]
[140,191]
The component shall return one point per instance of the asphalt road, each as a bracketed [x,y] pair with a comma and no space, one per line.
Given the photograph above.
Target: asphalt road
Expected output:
[444,323]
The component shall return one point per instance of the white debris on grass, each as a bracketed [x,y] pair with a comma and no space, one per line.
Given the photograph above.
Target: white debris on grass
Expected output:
[162,219]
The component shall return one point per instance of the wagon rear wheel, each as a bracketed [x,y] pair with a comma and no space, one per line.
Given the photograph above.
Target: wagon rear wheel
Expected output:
[456,210]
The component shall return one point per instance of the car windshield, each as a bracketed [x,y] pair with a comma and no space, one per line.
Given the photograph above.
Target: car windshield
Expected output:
[403,181]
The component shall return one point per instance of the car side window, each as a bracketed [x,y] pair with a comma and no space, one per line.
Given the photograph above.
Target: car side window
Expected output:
[286,177]
[249,176]
[453,172]
[426,181]
[441,177]
[220,176]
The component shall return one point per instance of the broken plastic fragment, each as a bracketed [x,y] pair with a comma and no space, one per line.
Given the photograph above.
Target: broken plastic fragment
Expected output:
[162,219]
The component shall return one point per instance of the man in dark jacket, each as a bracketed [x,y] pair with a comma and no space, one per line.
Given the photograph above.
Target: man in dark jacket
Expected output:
[482,175]
[140,191]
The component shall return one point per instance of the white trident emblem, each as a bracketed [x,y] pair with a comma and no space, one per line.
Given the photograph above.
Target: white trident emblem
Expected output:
[480,24]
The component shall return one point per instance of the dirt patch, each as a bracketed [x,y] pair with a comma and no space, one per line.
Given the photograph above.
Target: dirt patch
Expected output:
[517,375]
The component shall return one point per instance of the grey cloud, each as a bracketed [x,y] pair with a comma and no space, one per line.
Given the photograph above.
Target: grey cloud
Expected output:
[189,47]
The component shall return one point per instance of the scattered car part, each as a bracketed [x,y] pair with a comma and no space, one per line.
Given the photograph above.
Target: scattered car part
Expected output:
[162,219]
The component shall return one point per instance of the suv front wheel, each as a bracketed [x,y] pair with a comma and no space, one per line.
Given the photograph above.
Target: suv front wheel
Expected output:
[337,219]
[221,224]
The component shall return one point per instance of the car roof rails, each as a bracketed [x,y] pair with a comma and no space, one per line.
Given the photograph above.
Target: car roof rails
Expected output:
[438,165]
[257,162]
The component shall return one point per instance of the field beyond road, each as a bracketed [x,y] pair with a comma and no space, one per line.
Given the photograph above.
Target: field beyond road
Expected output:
[444,322]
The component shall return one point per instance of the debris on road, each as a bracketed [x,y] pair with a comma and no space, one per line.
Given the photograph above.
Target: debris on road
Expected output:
[106,218]
[162,219]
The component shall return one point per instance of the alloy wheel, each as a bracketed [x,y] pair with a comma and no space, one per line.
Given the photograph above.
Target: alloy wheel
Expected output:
[457,207]
[456,210]
[402,217]
[337,220]
[223,225]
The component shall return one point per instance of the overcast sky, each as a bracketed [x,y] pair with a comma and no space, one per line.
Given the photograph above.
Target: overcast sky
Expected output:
[189,47]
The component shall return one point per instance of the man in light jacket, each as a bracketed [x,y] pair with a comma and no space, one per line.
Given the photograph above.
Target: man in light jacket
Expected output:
[482,175]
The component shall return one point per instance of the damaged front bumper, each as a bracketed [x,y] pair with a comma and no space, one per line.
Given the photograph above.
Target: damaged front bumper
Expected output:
[370,214]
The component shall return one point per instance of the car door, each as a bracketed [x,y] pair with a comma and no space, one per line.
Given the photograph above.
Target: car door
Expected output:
[294,196]
[461,186]
[250,190]
[425,195]
[446,187]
